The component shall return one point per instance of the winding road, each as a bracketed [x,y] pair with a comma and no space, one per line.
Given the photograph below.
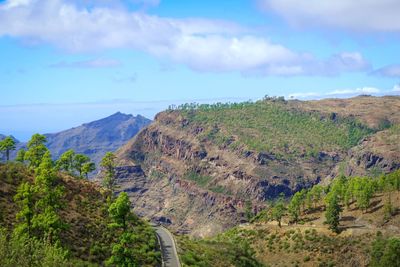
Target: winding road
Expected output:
[168,248]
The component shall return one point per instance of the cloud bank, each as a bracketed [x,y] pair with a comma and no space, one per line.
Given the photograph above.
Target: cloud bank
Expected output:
[346,93]
[361,15]
[201,44]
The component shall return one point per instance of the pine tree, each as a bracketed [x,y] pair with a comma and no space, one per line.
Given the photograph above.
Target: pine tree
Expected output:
[332,213]
[66,161]
[25,202]
[36,150]
[78,163]
[120,212]
[108,165]
[123,251]
[278,210]
[295,205]
[7,145]
[21,156]
[87,168]
[47,222]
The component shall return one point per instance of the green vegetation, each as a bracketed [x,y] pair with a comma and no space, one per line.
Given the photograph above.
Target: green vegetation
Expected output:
[74,164]
[48,218]
[385,252]
[271,125]
[332,213]
[108,166]
[224,251]
[340,193]
[131,248]
[36,150]
[278,210]
[200,180]
[7,145]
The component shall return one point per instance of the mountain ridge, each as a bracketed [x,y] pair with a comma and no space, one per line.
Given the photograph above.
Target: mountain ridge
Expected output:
[94,138]
[200,168]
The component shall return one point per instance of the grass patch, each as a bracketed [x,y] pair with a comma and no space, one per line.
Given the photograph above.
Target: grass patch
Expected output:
[272,126]
[200,180]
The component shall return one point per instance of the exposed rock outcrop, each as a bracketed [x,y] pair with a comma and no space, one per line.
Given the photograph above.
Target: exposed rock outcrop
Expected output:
[203,187]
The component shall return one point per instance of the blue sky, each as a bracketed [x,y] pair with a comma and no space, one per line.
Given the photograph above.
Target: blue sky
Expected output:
[63,63]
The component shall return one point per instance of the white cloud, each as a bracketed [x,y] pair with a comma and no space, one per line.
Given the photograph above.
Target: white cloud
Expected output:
[396,88]
[201,44]
[342,93]
[94,63]
[361,15]
[391,71]
[363,90]
[305,95]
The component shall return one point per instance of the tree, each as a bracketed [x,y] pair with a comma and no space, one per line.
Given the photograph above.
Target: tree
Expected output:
[316,193]
[364,191]
[47,222]
[36,150]
[25,202]
[79,161]
[66,161]
[123,251]
[87,168]
[120,212]
[332,213]
[21,155]
[278,210]
[108,165]
[7,145]
[295,205]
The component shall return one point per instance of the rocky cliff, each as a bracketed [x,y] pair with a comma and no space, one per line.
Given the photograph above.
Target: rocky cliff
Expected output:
[202,169]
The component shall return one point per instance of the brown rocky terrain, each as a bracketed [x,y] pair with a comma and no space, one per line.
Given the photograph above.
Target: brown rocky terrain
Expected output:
[178,173]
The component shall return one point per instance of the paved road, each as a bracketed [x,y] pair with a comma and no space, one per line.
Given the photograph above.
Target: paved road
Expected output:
[168,249]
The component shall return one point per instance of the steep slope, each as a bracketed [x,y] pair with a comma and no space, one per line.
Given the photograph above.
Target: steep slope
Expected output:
[201,168]
[310,242]
[87,235]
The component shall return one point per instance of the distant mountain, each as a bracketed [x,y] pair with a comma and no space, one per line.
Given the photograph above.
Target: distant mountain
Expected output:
[96,138]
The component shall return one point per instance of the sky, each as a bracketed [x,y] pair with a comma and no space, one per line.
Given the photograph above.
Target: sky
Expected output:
[64,63]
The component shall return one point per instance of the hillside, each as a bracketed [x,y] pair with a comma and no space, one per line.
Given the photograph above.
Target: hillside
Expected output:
[309,241]
[198,168]
[96,138]
[86,235]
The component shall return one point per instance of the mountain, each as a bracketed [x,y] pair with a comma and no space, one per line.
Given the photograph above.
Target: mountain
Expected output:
[96,138]
[202,168]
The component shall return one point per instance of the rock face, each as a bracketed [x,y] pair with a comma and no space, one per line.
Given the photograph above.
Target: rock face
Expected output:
[176,176]
[96,138]
[172,160]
